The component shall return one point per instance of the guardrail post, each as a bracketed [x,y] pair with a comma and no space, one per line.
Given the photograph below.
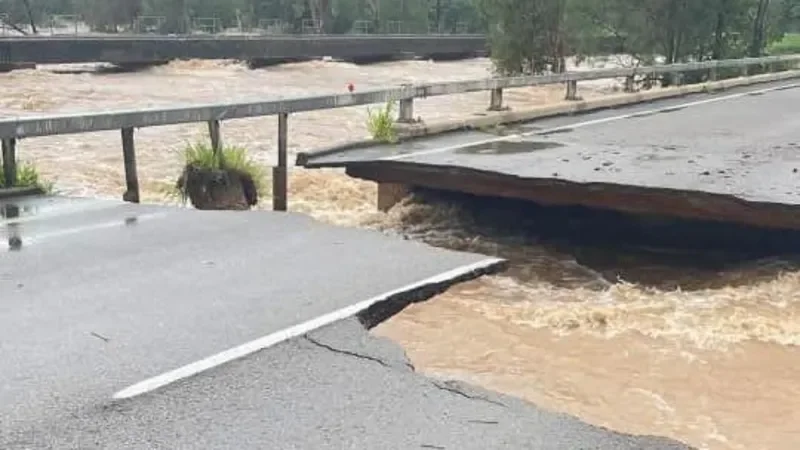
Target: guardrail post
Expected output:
[496,101]
[630,84]
[713,74]
[572,90]
[10,162]
[279,172]
[131,176]
[214,133]
[677,78]
[406,113]
[745,71]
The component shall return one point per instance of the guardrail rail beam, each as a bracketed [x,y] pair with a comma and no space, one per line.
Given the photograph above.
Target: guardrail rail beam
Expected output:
[14,128]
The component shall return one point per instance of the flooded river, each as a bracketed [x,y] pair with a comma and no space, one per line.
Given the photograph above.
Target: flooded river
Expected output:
[687,346]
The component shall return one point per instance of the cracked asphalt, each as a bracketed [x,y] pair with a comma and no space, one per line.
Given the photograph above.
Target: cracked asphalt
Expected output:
[337,388]
[97,295]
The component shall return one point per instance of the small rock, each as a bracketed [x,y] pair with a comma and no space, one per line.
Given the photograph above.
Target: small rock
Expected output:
[607,163]
[706,173]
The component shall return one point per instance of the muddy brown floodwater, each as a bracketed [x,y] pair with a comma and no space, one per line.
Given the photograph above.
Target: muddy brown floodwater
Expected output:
[704,355]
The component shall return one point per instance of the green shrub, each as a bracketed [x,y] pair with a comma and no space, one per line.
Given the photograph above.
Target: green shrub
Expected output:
[381,123]
[28,176]
[790,44]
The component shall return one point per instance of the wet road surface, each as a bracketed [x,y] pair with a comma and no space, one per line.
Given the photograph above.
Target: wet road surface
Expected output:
[98,295]
[729,143]
[337,387]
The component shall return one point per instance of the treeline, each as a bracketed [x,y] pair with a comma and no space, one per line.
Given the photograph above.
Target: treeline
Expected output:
[526,36]
[328,16]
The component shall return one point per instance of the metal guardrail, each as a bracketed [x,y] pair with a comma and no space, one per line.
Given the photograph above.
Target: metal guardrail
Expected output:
[75,25]
[14,129]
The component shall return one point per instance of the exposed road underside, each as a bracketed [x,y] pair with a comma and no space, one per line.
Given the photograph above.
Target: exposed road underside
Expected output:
[730,156]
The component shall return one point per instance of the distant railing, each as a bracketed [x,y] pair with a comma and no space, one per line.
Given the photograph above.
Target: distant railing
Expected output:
[75,25]
[11,130]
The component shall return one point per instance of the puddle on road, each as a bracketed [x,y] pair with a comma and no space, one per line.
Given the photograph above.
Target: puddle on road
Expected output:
[507,147]
[14,210]
[38,216]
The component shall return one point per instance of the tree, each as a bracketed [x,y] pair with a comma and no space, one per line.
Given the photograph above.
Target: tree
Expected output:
[526,36]
[110,15]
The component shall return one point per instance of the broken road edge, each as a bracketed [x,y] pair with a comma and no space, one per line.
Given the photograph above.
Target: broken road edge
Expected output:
[370,312]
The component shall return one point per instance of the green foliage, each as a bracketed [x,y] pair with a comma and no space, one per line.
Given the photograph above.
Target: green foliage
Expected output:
[28,176]
[525,36]
[381,123]
[179,16]
[203,156]
[790,44]
[531,36]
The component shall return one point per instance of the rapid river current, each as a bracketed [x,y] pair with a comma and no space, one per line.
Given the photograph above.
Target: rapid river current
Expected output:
[703,352]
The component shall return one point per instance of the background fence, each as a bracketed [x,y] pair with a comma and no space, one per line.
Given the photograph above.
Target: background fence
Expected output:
[13,129]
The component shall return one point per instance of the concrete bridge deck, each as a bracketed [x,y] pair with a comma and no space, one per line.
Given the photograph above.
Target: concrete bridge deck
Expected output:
[120,323]
[148,48]
[731,156]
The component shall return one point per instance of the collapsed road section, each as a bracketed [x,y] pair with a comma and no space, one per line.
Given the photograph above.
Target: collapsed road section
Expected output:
[129,326]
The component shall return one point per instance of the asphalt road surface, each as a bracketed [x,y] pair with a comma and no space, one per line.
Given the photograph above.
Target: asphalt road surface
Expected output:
[336,388]
[743,142]
[98,297]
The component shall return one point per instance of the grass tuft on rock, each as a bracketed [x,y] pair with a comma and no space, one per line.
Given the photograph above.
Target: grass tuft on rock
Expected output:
[28,176]
[205,168]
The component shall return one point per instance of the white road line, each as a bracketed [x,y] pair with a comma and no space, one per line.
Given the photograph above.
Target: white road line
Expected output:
[585,123]
[300,329]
